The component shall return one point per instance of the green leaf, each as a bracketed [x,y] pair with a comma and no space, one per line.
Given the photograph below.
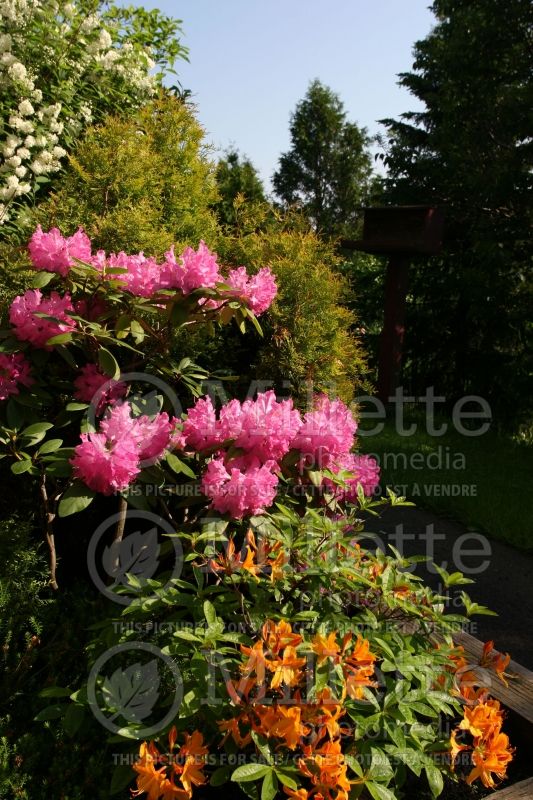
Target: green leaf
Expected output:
[269,788]
[435,780]
[50,446]
[42,279]
[51,712]
[61,338]
[108,363]
[209,613]
[177,466]
[35,433]
[250,772]
[21,466]
[55,691]
[76,498]
[122,776]
[220,776]
[286,780]
[73,719]
[379,792]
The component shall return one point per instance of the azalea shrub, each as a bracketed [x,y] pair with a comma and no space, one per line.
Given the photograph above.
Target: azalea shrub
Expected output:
[300,661]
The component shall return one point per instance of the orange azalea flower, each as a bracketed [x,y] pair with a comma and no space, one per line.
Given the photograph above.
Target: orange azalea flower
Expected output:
[297,794]
[287,669]
[327,770]
[481,719]
[149,779]
[278,562]
[325,647]
[279,635]
[361,655]
[283,722]
[455,746]
[230,561]
[494,660]
[491,756]
[357,679]
[257,661]
[232,727]
[194,752]
[324,716]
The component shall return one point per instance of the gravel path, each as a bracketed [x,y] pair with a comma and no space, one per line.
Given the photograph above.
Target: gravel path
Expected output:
[503,576]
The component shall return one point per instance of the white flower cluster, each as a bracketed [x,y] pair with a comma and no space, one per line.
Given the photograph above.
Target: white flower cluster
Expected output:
[37,36]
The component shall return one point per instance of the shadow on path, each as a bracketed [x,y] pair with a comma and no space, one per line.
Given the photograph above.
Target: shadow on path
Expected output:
[503,576]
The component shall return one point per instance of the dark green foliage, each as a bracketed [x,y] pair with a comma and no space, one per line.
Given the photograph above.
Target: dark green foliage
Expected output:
[470,150]
[326,172]
[236,177]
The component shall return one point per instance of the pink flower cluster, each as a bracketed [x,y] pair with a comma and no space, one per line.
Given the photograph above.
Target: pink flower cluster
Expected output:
[144,277]
[37,330]
[250,439]
[109,460]
[55,253]
[92,386]
[14,372]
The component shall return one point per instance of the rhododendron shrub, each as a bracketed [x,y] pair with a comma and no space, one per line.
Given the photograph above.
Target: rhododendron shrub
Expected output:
[326,665]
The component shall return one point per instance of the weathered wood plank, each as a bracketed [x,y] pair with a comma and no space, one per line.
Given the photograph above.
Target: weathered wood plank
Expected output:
[519,791]
[518,695]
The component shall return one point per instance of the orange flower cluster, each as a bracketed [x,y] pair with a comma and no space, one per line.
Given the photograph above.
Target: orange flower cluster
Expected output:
[265,559]
[489,748]
[274,667]
[171,776]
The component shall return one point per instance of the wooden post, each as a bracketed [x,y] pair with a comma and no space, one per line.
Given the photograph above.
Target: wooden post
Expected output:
[392,335]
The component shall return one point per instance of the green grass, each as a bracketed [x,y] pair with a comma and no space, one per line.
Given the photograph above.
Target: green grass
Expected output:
[497,471]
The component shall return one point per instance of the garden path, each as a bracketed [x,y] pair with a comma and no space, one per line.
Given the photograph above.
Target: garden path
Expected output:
[505,584]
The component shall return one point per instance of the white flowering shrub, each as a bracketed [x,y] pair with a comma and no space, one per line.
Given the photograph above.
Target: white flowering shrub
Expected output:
[63,65]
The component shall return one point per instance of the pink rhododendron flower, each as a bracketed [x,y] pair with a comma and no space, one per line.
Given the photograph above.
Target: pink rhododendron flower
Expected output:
[37,330]
[258,291]
[237,492]
[105,466]
[150,436]
[264,426]
[365,471]
[326,434]
[55,253]
[143,274]
[91,309]
[200,427]
[89,389]
[14,371]
[195,269]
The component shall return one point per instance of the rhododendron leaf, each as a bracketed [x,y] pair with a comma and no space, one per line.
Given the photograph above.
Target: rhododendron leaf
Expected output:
[41,279]
[250,772]
[76,498]
[55,691]
[61,338]
[50,446]
[108,363]
[177,466]
[76,406]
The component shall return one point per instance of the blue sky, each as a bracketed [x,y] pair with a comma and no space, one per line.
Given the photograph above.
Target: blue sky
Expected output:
[252,60]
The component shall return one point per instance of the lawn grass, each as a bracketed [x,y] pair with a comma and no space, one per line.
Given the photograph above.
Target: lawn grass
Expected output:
[496,471]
